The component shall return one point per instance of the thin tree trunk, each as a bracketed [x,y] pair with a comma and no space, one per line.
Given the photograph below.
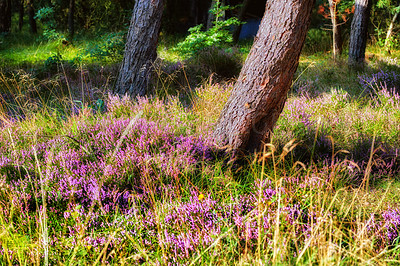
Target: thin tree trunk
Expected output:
[336,34]
[359,33]
[31,14]
[260,92]
[390,30]
[5,15]
[243,10]
[194,11]
[71,25]
[140,48]
[21,14]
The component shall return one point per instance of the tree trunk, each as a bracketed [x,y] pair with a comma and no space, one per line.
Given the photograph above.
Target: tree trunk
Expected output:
[31,14]
[194,13]
[260,92]
[71,14]
[359,33]
[243,9]
[390,30]
[140,48]
[5,15]
[21,14]
[336,34]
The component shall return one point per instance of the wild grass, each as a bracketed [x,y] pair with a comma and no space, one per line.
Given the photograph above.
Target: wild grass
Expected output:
[87,177]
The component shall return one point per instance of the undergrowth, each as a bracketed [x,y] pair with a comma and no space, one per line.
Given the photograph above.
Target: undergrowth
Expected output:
[88,177]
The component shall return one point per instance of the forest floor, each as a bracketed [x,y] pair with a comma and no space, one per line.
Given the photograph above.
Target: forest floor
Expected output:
[87,177]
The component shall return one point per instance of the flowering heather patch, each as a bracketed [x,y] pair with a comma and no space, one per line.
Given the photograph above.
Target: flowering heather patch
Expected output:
[334,121]
[142,183]
[386,227]
[381,79]
[75,165]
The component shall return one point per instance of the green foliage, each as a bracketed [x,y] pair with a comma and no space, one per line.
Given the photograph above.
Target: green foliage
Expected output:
[384,11]
[46,15]
[111,48]
[225,63]
[392,6]
[52,62]
[317,40]
[216,36]
[381,41]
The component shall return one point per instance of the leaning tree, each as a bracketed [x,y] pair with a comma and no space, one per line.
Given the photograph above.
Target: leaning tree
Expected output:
[260,92]
[359,32]
[141,48]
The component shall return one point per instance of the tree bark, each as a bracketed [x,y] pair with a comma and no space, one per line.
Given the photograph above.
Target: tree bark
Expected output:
[260,92]
[21,13]
[390,30]
[336,33]
[71,15]
[140,48]
[31,14]
[5,15]
[359,33]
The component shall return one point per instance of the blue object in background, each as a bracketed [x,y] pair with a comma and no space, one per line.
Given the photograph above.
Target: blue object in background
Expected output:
[249,29]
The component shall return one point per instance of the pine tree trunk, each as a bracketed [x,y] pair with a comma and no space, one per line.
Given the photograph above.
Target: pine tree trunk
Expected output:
[194,12]
[359,33]
[71,25]
[336,34]
[21,14]
[141,48]
[5,15]
[260,92]
[31,14]
[389,32]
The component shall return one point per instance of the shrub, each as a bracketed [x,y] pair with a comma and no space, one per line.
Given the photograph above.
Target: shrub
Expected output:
[52,62]
[225,63]
[216,36]
[317,40]
[111,48]
[46,16]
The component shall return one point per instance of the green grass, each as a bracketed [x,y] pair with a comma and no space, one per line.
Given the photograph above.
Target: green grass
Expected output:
[329,177]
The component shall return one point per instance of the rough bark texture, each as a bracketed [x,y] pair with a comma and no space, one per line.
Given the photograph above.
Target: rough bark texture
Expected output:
[31,14]
[71,15]
[359,33]
[336,33]
[5,15]
[259,95]
[140,48]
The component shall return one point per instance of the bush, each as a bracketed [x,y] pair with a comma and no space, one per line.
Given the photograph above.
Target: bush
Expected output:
[216,36]
[223,62]
[46,16]
[317,40]
[111,48]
